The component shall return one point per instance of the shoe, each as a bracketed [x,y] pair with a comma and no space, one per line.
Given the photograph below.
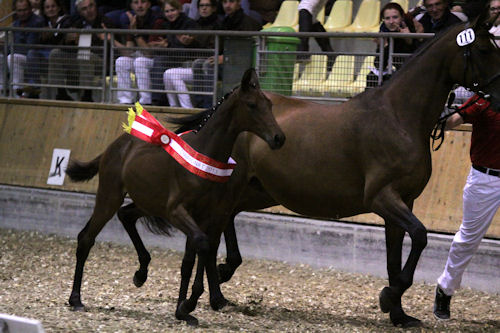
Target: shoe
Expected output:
[87,96]
[441,305]
[62,95]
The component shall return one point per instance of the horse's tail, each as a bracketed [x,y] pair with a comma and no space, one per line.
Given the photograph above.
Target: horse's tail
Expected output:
[157,225]
[191,122]
[83,171]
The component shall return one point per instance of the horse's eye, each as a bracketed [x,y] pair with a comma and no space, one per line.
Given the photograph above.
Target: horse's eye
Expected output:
[252,105]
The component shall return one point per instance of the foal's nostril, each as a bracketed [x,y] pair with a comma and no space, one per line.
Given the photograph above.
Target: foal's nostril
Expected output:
[279,140]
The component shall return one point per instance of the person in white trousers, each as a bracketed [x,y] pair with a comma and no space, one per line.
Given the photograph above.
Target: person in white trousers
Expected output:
[177,79]
[481,195]
[138,62]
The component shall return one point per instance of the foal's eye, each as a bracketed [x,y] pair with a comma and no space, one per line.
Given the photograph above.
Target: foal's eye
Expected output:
[252,105]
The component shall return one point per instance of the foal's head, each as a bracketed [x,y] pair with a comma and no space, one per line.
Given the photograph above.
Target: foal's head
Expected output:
[477,66]
[252,111]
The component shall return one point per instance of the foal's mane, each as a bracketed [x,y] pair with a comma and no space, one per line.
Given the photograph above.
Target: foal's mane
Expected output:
[198,120]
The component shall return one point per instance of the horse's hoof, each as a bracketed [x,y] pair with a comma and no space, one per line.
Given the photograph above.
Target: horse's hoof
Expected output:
[78,308]
[385,300]
[225,273]
[186,307]
[140,278]
[401,319]
[218,303]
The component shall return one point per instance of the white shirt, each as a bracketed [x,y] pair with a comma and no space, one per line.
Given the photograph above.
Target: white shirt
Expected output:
[312,6]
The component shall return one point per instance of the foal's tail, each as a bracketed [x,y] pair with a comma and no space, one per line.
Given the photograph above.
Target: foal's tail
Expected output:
[83,171]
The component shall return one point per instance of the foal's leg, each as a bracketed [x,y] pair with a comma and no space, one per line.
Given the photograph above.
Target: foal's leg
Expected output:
[128,216]
[184,307]
[398,215]
[233,259]
[105,207]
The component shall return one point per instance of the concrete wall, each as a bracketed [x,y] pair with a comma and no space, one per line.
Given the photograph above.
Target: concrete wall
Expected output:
[344,246]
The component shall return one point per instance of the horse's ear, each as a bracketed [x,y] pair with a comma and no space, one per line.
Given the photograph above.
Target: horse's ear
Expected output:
[250,80]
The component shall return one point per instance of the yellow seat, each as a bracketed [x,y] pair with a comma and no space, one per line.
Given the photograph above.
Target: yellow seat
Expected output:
[340,16]
[288,15]
[312,79]
[402,3]
[367,18]
[342,75]
[359,85]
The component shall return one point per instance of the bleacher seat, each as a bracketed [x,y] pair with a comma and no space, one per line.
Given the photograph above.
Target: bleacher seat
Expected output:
[288,15]
[312,79]
[367,18]
[340,16]
[359,85]
[342,75]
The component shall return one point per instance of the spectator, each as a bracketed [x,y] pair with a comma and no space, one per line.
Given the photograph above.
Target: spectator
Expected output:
[235,20]
[177,78]
[395,20]
[481,197]
[16,62]
[139,62]
[308,10]
[174,19]
[436,18]
[38,58]
[89,62]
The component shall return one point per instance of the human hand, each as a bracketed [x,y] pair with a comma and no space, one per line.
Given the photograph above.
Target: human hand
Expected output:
[102,35]
[185,39]
[132,20]
[404,28]
[159,42]
[419,28]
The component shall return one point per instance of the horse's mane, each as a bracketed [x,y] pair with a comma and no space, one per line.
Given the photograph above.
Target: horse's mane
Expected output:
[422,49]
[198,120]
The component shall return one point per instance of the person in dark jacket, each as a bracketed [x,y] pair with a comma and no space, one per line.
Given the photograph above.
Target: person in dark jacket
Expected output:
[394,20]
[436,18]
[89,62]
[37,59]
[16,61]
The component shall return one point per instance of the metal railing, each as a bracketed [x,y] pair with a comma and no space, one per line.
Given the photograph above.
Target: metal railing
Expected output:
[44,70]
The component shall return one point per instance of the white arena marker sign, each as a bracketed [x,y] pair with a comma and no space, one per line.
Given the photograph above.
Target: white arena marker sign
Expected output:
[60,158]
[15,324]
[466,37]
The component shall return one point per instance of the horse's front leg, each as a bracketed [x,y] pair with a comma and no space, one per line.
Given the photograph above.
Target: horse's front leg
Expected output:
[217,299]
[233,259]
[399,218]
[128,216]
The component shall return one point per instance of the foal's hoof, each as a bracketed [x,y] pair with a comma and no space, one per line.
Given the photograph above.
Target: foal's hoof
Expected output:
[185,316]
[401,319]
[218,303]
[140,278]
[225,273]
[386,300]
[78,308]
[75,303]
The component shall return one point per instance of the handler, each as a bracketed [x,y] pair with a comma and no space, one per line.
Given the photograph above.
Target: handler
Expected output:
[481,196]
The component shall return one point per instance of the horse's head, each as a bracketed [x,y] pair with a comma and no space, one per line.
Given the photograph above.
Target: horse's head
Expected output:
[255,111]
[478,64]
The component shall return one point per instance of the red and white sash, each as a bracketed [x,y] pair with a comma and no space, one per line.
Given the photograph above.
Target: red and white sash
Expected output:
[144,126]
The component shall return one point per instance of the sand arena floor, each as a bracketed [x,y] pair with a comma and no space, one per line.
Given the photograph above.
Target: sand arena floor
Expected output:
[36,273]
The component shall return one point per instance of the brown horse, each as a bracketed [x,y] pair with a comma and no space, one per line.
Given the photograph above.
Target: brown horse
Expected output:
[159,186]
[370,154]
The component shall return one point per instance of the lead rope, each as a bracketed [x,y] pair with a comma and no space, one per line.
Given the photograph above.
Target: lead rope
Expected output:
[439,128]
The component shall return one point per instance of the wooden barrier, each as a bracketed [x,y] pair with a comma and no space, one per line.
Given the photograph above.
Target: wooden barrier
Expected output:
[30,130]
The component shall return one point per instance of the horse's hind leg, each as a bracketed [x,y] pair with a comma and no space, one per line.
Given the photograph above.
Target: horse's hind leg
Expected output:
[398,217]
[128,216]
[106,206]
